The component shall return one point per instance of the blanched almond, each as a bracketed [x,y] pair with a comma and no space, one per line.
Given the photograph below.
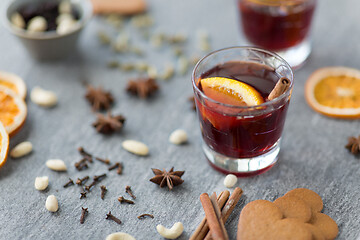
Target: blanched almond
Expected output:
[21,150]
[135,147]
[41,183]
[51,203]
[56,165]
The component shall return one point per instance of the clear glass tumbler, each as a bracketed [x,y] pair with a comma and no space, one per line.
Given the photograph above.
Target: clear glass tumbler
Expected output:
[282,26]
[243,140]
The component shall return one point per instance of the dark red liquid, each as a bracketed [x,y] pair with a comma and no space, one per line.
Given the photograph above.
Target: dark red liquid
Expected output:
[234,132]
[276,27]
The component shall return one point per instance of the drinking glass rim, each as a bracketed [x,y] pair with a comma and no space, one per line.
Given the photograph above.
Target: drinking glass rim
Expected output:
[265,104]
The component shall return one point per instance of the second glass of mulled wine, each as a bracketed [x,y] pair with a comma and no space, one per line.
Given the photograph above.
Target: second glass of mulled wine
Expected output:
[241,119]
[282,26]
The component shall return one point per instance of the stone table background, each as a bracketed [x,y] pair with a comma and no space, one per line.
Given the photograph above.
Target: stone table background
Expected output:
[312,156]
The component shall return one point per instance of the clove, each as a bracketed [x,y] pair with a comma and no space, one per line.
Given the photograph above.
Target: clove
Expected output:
[81,165]
[123,200]
[128,190]
[142,216]
[106,161]
[119,169]
[116,165]
[112,217]
[83,195]
[85,154]
[88,187]
[80,181]
[99,178]
[84,211]
[103,191]
[69,183]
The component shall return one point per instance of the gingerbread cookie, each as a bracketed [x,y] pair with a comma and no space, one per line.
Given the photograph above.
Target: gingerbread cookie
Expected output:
[309,196]
[296,215]
[293,207]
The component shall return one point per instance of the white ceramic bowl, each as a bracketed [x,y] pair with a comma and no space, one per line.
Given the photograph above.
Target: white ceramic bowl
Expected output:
[49,45]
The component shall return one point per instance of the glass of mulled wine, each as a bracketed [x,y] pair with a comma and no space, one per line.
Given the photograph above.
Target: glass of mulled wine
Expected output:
[282,26]
[241,128]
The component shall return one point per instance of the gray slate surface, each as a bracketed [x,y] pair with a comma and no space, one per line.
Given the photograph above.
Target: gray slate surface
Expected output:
[312,155]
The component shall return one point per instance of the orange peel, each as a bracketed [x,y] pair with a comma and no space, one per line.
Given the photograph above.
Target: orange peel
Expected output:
[4,145]
[334,92]
[13,110]
[14,82]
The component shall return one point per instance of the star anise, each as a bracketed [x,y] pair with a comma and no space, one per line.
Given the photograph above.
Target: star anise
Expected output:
[170,178]
[143,88]
[353,145]
[107,124]
[98,98]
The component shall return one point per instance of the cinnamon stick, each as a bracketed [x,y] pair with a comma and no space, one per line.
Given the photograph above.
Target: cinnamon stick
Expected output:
[281,86]
[229,207]
[215,224]
[203,228]
[218,215]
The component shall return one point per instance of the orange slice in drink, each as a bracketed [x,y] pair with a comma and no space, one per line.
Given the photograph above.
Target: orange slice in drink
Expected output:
[230,91]
[227,91]
[13,110]
[334,92]
[4,145]
[13,82]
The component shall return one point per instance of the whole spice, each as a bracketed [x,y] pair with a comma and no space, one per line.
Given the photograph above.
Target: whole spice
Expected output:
[85,154]
[99,177]
[227,204]
[123,200]
[169,178]
[84,211]
[203,228]
[98,98]
[88,187]
[353,145]
[213,216]
[142,216]
[118,166]
[281,86]
[114,166]
[107,124]
[81,165]
[119,169]
[83,195]
[129,191]
[81,181]
[112,217]
[103,191]
[69,183]
[106,161]
[143,87]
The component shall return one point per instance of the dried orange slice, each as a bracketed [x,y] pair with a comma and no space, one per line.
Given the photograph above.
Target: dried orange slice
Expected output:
[4,145]
[230,91]
[334,92]
[13,82]
[13,110]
